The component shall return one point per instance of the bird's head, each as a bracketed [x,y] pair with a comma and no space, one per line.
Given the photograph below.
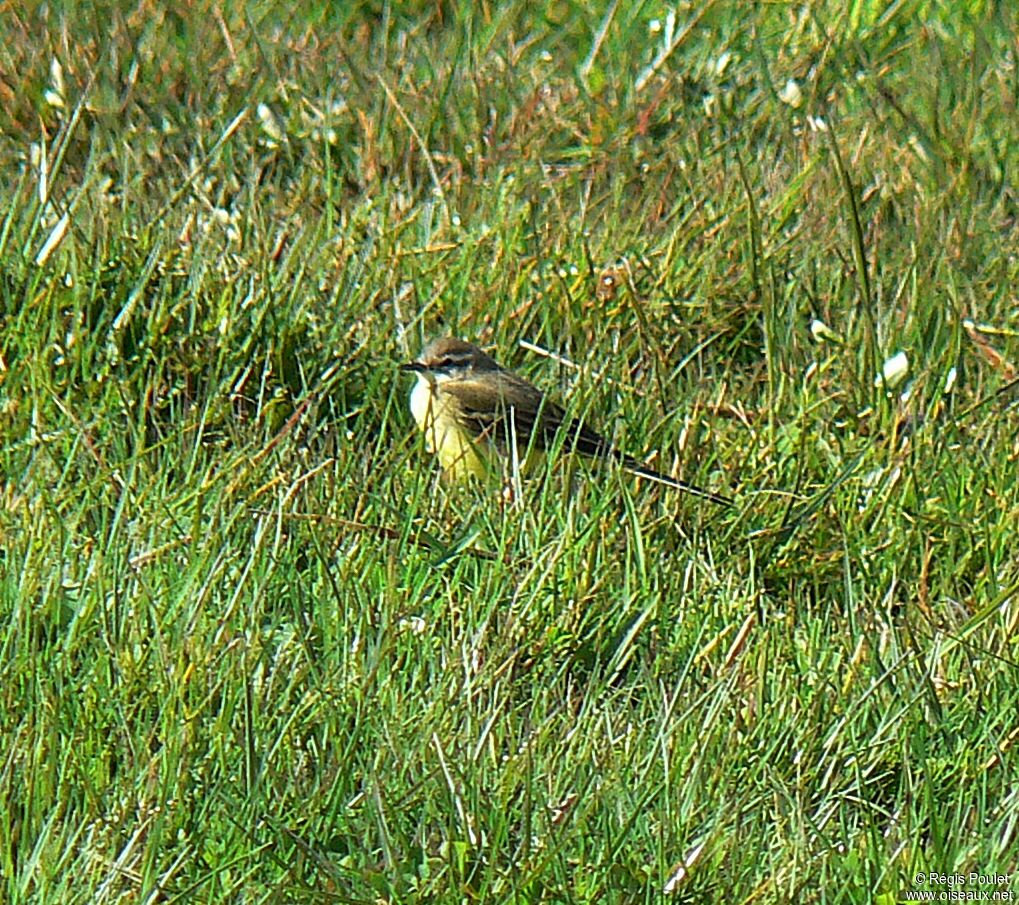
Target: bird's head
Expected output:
[450,358]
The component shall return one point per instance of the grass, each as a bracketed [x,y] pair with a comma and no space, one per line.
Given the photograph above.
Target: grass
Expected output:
[254,650]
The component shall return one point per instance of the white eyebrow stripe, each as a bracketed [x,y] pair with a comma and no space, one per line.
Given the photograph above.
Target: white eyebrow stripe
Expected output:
[457,359]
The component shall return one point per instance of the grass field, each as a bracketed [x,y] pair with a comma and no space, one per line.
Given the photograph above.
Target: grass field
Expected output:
[255,649]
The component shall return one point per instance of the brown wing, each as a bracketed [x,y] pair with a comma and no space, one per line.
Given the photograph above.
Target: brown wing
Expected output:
[523,411]
[507,422]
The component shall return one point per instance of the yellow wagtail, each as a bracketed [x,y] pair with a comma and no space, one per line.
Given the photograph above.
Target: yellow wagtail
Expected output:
[470,407]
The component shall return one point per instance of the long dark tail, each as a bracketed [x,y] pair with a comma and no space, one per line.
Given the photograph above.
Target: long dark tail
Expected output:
[675,483]
[590,443]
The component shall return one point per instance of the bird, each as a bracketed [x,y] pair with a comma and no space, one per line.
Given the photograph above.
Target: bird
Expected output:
[470,407]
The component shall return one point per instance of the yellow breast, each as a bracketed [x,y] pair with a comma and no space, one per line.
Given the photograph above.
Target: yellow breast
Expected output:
[459,454]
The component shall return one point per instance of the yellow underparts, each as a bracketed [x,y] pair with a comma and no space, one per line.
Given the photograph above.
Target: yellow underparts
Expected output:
[460,454]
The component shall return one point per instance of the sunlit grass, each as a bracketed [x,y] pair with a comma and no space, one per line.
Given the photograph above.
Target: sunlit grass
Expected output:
[255,649]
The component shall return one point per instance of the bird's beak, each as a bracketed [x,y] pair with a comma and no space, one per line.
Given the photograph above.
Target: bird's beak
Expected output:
[415,366]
